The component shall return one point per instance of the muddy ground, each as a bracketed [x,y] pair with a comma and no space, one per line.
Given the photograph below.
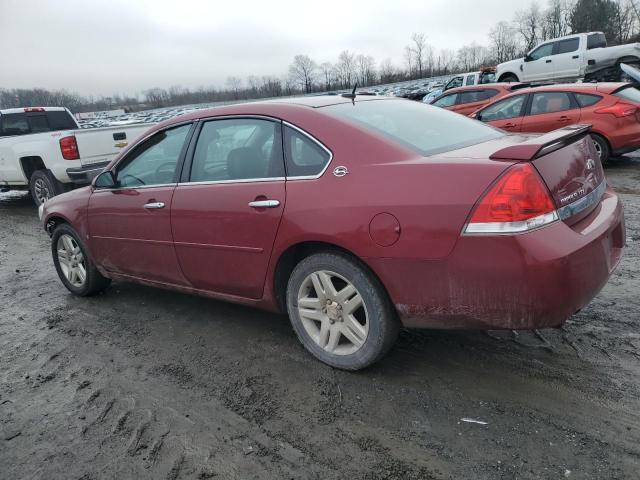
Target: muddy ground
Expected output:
[143,383]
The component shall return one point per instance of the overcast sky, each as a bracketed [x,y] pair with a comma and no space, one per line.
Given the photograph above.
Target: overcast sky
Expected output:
[127,46]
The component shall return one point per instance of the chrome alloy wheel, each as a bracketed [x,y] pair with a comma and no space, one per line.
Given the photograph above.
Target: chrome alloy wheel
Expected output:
[41,191]
[598,148]
[71,259]
[333,313]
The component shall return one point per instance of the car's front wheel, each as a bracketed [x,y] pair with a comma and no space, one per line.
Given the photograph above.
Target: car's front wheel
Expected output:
[340,311]
[75,269]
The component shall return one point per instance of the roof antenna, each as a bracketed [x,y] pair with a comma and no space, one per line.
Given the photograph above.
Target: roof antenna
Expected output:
[351,95]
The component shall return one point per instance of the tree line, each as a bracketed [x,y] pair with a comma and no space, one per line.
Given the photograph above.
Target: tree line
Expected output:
[618,19]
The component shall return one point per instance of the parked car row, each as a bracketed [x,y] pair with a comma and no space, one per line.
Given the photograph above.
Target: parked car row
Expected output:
[611,108]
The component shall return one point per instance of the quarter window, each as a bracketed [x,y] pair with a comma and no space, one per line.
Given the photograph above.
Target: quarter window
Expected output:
[153,162]
[542,51]
[237,149]
[549,102]
[303,156]
[504,109]
[446,101]
[586,100]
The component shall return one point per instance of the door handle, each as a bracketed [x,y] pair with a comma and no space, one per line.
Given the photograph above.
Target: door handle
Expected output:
[509,125]
[563,119]
[153,205]
[264,204]
[576,56]
[547,61]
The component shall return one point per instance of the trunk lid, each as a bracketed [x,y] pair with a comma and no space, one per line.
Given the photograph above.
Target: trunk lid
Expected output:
[567,161]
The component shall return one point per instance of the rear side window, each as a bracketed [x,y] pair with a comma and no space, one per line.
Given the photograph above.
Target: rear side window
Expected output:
[629,93]
[586,100]
[477,95]
[303,156]
[549,102]
[61,121]
[419,127]
[504,109]
[596,40]
[446,101]
[470,80]
[14,124]
[569,45]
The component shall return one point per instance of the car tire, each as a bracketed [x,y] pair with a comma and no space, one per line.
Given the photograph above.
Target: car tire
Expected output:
[349,326]
[602,147]
[510,78]
[42,186]
[76,270]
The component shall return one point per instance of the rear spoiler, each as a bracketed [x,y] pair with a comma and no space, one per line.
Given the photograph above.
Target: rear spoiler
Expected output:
[544,144]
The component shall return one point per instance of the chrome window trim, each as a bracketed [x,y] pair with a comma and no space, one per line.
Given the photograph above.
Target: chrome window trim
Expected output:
[583,203]
[317,142]
[141,187]
[239,180]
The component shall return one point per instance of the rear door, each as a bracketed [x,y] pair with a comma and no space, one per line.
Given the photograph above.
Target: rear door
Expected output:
[227,208]
[506,113]
[130,225]
[549,111]
[101,145]
[566,58]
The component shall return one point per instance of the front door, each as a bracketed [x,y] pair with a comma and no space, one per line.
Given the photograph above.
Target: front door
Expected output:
[130,225]
[539,65]
[226,211]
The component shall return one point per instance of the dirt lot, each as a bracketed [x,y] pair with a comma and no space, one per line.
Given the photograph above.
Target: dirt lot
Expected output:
[142,383]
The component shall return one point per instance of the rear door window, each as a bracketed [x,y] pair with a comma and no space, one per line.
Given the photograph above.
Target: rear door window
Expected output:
[586,100]
[569,45]
[550,102]
[476,96]
[14,124]
[38,123]
[471,80]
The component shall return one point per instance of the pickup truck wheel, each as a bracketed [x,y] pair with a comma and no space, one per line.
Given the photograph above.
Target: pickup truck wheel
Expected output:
[340,311]
[602,147]
[42,187]
[75,269]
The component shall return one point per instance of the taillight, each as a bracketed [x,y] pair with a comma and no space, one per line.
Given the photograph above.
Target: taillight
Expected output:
[519,201]
[619,109]
[69,148]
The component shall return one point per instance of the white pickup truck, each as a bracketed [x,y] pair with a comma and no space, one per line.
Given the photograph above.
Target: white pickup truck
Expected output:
[45,151]
[583,56]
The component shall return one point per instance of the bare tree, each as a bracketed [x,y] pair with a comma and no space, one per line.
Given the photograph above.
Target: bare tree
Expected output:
[504,44]
[303,72]
[529,25]
[624,21]
[446,62]
[234,84]
[555,21]
[328,72]
[346,69]
[388,73]
[419,50]
[365,66]
[408,60]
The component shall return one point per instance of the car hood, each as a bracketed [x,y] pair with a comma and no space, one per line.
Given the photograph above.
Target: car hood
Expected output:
[510,63]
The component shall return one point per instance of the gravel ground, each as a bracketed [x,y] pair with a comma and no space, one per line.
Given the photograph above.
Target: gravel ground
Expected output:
[143,383]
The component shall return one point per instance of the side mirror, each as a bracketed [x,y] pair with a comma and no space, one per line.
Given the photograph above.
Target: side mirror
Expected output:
[105,180]
[528,58]
[477,116]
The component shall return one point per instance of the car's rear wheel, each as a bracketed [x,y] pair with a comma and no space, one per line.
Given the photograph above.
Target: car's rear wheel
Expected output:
[75,269]
[509,78]
[340,311]
[602,147]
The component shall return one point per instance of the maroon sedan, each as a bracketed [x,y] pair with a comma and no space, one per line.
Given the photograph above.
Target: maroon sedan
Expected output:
[355,216]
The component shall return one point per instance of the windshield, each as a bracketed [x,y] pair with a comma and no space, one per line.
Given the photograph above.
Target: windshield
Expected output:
[423,128]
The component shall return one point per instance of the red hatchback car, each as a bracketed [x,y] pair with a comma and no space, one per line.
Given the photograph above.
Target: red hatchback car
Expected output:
[612,110]
[466,100]
[355,216]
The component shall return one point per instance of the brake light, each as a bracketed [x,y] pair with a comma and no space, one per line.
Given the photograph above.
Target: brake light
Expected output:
[69,148]
[619,110]
[519,201]
[34,109]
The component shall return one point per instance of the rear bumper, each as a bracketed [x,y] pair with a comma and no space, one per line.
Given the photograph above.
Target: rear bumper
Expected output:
[83,175]
[533,280]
